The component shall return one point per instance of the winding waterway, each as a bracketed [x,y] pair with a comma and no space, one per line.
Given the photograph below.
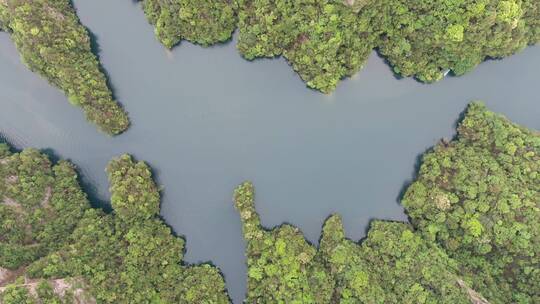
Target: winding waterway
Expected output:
[206,119]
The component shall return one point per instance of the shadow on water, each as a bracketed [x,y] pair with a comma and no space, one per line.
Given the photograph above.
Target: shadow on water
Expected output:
[416,169]
[5,140]
[53,157]
[396,75]
[87,186]
[92,193]
[96,50]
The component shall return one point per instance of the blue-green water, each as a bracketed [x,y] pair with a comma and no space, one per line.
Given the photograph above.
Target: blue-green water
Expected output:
[206,120]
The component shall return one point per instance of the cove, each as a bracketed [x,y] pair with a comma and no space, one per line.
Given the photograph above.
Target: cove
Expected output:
[206,120]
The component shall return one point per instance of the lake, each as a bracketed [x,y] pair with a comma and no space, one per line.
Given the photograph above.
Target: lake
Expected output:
[205,119]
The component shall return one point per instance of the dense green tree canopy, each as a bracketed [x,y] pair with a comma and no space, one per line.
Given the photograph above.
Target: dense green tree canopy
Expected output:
[427,38]
[53,43]
[479,197]
[200,21]
[40,205]
[321,39]
[282,266]
[48,231]
[328,40]
[392,265]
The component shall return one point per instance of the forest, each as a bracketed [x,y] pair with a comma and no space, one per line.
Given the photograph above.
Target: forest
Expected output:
[53,43]
[326,41]
[473,235]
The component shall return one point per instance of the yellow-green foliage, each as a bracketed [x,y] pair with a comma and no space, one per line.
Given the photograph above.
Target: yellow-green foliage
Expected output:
[131,256]
[479,197]
[282,266]
[135,196]
[328,40]
[426,38]
[392,265]
[54,44]
[200,21]
[321,39]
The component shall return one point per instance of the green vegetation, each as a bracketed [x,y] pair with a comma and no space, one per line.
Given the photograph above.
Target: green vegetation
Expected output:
[41,205]
[475,209]
[51,236]
[328,40]
[54,44]
[393,265]
[204,22]
[282,266]
[479,198]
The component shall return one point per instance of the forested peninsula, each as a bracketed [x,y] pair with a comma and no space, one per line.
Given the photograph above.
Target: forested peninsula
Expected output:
[473,235]
[328,40]
[53,43]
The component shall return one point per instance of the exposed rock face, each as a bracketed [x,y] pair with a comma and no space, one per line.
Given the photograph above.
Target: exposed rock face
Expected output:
[53,12]
[476,298]
[46,199]
[74,288]
[5,274]
[356,5]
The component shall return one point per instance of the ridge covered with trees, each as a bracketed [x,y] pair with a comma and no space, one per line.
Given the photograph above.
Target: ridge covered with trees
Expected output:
[328,40]
[54,246]
[479,198]
[205,22]
[53,43]
[473,237]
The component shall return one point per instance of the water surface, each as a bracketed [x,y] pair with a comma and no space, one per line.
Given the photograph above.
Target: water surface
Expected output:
[206,120]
